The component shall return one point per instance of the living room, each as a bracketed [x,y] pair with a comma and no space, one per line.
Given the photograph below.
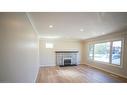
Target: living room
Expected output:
[63,47]
[52,47]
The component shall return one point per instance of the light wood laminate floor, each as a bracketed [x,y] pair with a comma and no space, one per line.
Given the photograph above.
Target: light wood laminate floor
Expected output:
[76,74]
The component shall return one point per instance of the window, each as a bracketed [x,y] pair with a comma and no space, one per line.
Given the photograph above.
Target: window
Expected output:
[116,52]
[107,52]
[101,52]
[49,45]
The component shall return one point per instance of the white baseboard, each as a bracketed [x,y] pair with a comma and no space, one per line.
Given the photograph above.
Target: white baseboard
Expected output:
[47,65]
[107,71]
[80,63]
[36,74]
[54,65]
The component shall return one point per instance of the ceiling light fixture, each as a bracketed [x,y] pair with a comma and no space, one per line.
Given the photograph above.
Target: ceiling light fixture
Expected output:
[103,33]
[81,30]
[49,45]
[50,26]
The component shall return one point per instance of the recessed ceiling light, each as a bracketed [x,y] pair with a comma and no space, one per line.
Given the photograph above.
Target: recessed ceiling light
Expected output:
[49,45]
[50,26]
[81,30]
[103,33]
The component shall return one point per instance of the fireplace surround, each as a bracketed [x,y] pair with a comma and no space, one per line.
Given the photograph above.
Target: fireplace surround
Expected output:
[66,58]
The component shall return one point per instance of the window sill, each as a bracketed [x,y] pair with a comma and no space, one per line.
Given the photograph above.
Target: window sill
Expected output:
[105,63]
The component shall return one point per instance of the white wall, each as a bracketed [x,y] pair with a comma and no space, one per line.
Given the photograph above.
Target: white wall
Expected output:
[122,71]
[47,56]
[18,49]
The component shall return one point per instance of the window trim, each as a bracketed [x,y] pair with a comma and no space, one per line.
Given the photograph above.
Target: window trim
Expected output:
[110,57]
[92,52]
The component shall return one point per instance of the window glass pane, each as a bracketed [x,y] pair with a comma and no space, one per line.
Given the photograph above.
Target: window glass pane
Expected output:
[116,52]
[102,51]
[91,49]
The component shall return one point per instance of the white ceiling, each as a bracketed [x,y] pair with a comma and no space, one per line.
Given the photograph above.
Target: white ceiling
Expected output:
[68,24]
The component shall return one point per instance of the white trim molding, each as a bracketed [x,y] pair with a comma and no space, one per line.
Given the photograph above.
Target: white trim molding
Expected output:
[47,65]
[31,22]
[123,76]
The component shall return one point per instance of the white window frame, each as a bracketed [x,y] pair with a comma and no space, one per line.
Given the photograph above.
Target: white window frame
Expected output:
[93,52]
[110,56]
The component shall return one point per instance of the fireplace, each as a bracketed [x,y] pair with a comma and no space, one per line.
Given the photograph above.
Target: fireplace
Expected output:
[67,61]
[66,58]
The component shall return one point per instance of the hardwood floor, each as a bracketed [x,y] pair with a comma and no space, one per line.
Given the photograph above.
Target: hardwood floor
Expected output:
[76,74]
